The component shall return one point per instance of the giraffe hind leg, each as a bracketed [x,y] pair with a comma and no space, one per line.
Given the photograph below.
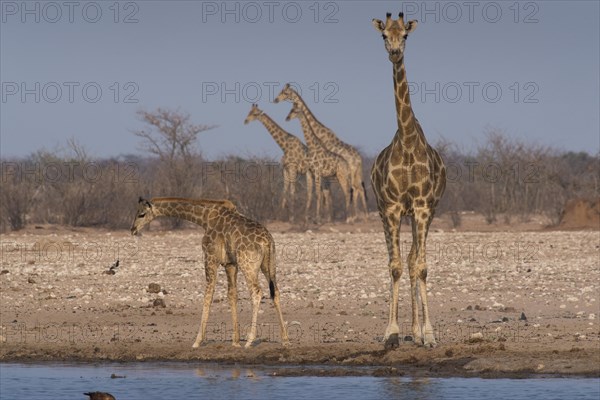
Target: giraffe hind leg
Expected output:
[250,266]
[231,271]
[284,335]
[274,293]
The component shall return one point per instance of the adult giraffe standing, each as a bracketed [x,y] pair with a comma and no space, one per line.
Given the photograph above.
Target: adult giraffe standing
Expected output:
[332,143]
[409,179]
[322,164]
[231,240]
[294,160]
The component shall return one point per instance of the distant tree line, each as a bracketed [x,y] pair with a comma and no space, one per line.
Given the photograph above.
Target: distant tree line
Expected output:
[502,177]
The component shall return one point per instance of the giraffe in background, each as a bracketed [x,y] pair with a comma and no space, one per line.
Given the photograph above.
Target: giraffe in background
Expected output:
[294,160]
[322,163]
[409,178]
[331,142]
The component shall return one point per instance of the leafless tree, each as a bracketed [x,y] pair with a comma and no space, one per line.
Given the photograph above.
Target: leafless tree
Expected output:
[171,139]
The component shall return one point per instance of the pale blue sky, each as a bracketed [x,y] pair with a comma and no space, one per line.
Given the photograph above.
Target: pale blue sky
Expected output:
[543,56]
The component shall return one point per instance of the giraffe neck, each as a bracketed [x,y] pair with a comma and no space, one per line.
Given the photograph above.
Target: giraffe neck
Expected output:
[311,140]
[280,135]
[407,123]
[201,212]
[308,115]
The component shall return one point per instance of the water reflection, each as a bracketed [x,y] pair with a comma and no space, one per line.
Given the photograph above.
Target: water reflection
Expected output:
[183,380]
[235,373]
[409,388]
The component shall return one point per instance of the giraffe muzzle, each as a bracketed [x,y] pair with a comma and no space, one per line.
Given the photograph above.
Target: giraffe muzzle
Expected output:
[396,56]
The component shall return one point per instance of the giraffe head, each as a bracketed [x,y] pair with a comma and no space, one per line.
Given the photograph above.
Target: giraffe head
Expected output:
[394,33]
[254,113]
[295,112]
[144,215]
[286,94]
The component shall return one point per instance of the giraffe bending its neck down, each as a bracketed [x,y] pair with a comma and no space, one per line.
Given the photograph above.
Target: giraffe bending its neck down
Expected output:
[408,178]
[230,239]
[323,164]
[332,143]
[294,160]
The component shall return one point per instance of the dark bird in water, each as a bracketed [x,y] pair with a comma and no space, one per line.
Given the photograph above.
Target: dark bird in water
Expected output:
[113,268]
[100,396]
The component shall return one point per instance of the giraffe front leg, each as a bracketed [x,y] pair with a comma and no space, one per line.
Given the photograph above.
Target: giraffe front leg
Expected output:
[309,193]
[391,226]
[418,277]
[392,332]
[210,268]
[327,200]
[414,289]
[428,335]
[360,193]
[293,175]
[231,270]
[346,186]
[318,190]
[414,298]
[286,185]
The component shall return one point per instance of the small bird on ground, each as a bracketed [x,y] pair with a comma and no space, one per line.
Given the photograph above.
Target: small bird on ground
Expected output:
[100,396]
[113,268]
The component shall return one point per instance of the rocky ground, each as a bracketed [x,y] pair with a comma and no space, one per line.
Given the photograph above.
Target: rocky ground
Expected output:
[505,300]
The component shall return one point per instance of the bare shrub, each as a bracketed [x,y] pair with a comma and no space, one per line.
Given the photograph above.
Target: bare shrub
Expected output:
[171,139]
[18,189]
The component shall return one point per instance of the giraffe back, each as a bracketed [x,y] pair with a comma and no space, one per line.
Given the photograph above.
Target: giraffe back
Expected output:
[235,238]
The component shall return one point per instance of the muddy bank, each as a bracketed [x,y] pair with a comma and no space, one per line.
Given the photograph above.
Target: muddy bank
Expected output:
[492,360]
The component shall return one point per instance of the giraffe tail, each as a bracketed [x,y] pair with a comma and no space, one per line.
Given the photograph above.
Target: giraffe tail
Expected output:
[269,261]
[272,289]
[364,190]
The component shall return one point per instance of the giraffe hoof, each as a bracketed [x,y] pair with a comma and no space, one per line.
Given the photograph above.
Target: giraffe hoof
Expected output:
[195,345]
[392,342]
[252,343]
[429,340]
[236,344]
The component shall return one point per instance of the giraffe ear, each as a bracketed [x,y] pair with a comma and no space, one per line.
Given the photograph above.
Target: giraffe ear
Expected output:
[411,26]
[378,24]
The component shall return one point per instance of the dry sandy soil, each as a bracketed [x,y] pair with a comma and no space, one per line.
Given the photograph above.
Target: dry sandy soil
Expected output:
[57,302]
